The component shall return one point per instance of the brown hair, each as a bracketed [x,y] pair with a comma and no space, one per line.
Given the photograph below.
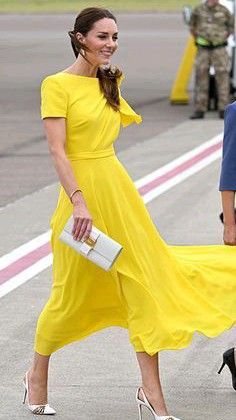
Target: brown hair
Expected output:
[107,76]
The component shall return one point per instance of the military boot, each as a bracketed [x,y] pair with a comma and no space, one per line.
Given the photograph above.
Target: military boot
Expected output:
[197,115]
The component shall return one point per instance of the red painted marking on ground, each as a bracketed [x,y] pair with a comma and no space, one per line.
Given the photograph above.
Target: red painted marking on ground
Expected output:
[24,262]
[180,168]
[32,257]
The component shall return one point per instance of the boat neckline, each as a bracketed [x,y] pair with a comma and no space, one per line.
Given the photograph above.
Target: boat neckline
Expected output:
[78,75]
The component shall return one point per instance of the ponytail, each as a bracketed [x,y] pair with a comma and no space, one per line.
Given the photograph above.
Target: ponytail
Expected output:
[108,80]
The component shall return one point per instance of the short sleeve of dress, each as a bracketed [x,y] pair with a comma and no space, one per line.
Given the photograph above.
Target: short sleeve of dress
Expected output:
[54,99]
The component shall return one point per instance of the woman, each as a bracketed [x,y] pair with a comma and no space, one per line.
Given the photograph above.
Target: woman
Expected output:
[161,294]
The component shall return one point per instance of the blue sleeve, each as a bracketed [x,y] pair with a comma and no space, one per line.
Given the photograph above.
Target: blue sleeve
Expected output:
[228,166]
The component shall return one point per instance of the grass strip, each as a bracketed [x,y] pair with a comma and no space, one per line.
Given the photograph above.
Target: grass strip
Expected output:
[32,6]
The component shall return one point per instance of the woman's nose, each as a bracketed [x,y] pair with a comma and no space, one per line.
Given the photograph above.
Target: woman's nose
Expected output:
[110,43]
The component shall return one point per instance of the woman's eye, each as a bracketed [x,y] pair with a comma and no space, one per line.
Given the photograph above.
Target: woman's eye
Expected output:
[115,38]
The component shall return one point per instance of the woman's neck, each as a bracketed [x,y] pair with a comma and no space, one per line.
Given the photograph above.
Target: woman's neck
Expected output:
[82,68]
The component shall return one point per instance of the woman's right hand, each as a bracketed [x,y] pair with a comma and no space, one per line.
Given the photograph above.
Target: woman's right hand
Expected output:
[82,221]
[230,235]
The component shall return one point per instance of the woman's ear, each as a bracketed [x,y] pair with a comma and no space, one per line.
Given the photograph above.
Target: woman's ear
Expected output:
[80,37]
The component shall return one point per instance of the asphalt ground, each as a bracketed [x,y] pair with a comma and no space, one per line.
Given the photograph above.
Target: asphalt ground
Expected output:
[35,46]
[97,377]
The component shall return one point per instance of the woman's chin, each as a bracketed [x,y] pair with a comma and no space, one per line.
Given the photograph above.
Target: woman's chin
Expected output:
[105,62]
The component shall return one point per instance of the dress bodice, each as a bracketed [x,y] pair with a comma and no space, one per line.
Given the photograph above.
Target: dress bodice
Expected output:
[92,124]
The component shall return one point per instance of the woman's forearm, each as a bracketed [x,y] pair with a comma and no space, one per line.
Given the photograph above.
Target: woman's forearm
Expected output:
[228,203]
[55,129]
[65,174]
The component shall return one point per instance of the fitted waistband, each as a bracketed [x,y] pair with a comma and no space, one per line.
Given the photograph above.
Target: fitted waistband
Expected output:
[97,154]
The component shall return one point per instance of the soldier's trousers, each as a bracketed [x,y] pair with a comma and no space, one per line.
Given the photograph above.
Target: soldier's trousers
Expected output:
[219,59]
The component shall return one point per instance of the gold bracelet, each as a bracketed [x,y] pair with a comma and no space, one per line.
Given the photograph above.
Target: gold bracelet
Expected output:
[73,192]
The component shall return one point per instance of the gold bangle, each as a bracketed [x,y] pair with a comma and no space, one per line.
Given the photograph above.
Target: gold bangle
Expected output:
[73,192]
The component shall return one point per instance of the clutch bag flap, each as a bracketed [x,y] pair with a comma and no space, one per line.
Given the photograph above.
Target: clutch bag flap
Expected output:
[99,248]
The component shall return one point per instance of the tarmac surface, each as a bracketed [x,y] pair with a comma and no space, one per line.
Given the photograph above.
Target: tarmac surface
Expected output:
[35,46]
[96,379]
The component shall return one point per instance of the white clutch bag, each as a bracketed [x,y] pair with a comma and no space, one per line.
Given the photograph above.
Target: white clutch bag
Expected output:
[98,248]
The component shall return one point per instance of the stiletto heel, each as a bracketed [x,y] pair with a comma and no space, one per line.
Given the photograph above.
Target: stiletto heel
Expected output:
[222,367]
[140,412]
[41,409]
[24,398]
[229,360]
[144,402]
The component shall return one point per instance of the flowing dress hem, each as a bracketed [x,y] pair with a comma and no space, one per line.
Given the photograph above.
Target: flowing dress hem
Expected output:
[185,343]
[41,349]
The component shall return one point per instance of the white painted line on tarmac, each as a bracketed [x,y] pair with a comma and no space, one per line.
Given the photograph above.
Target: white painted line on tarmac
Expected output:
[25,275]
[25,262]
[181,159]
[166,177]
[155,192]
[24,249]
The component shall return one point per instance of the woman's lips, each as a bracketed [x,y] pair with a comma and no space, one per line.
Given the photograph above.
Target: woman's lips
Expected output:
[106,53]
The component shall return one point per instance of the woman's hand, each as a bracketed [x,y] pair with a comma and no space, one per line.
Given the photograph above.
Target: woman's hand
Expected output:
[82,220]
[230,234]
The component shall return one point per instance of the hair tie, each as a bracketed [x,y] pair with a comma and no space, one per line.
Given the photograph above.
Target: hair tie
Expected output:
[71,34]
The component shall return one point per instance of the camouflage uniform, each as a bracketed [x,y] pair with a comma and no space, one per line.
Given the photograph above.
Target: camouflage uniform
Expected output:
[211,26]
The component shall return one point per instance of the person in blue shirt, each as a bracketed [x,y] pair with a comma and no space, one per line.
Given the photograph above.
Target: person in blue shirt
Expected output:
[228,187]
[228,175]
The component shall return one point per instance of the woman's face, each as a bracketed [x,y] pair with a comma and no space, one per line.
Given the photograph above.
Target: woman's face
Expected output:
[212,2]
[101,41]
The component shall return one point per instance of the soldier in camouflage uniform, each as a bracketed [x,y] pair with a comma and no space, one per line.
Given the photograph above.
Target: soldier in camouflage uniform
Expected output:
[211,24]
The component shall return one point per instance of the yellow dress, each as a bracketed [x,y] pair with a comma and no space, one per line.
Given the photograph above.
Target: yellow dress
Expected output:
[161,293]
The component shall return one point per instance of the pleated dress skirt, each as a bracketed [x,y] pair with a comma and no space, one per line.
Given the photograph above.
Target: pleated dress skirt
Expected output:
[162,294]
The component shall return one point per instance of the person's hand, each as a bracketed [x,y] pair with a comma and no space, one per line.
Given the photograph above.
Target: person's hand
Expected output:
[230,235]
[82,221]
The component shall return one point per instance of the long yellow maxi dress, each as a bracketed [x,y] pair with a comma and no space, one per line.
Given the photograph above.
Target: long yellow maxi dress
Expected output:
[161,293]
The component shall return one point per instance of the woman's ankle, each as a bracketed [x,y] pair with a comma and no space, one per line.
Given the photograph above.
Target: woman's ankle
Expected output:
[155,398]
[36,377]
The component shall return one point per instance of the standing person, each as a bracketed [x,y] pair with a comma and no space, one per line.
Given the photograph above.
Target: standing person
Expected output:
[162,294]
[211,24]
[228,188]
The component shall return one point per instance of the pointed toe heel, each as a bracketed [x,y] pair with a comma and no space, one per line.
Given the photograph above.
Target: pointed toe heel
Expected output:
[39,409]
[145,403]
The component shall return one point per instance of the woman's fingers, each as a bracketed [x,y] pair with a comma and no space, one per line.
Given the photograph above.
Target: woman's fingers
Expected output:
[77,225]
[74,226]
[88,230]
[82,229]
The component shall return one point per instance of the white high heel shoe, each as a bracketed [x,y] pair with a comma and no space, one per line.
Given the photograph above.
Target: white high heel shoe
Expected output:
[146,403]
[42,409]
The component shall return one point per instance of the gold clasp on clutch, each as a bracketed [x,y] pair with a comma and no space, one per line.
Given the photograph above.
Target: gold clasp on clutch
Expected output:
[91,242]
